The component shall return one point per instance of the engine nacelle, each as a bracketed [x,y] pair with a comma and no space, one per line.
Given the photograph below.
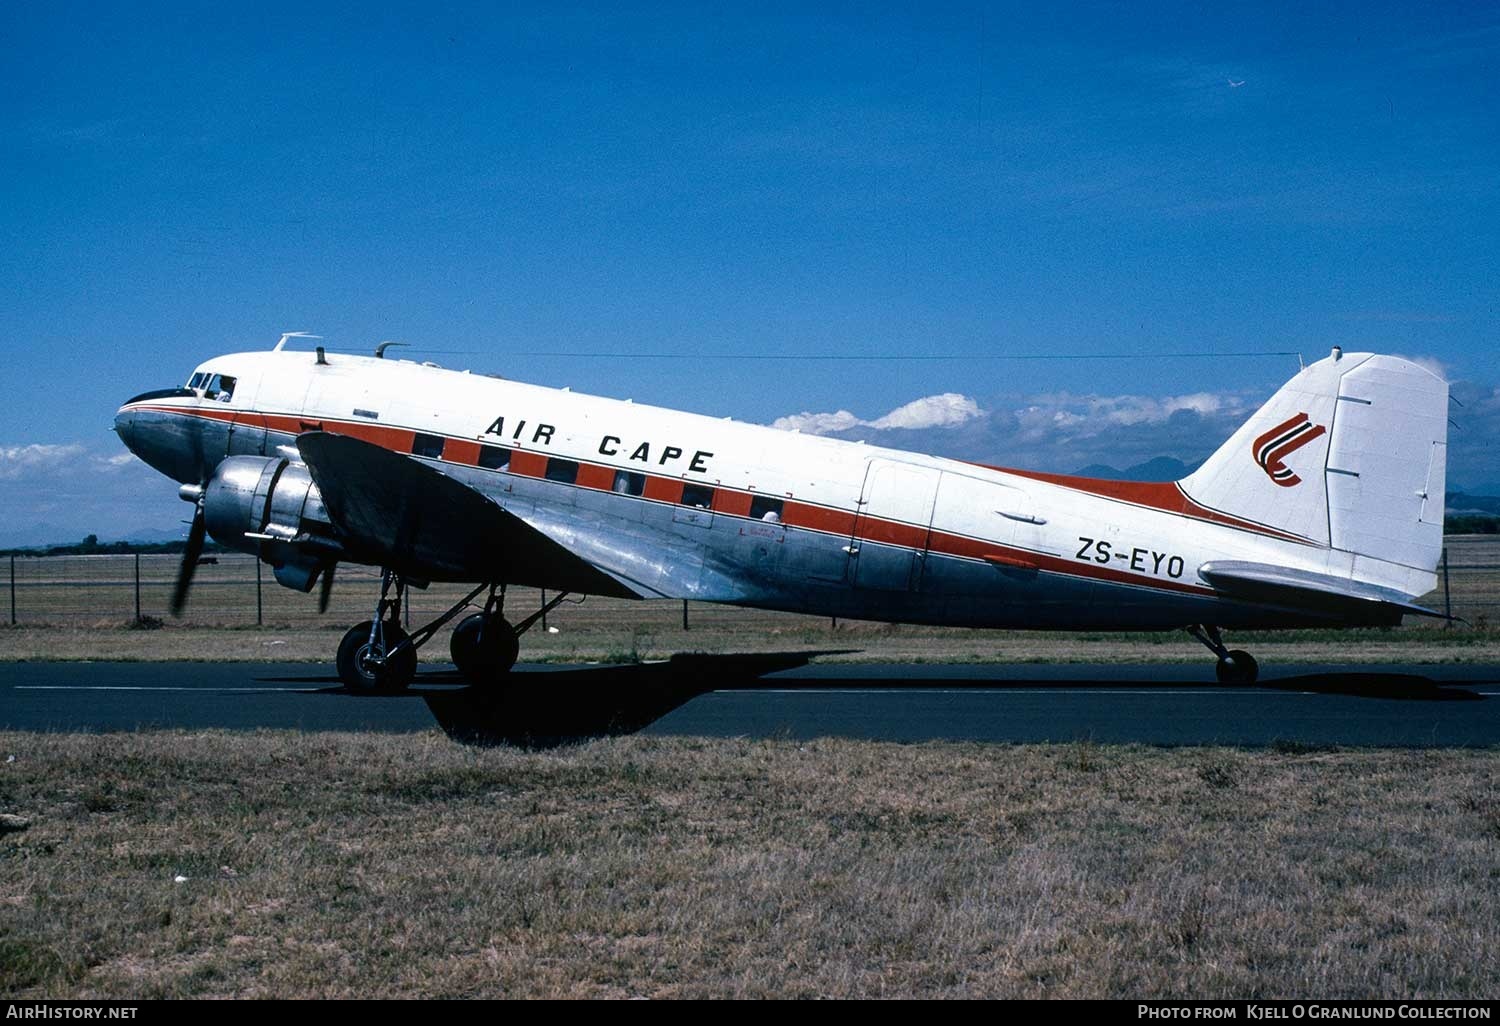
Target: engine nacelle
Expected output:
[270,507]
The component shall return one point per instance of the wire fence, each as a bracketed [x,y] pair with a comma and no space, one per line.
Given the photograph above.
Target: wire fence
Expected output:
[234,590]
[237,590]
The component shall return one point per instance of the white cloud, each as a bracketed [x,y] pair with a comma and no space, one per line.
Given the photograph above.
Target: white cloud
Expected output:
[934,411]
[115,462]
[947,410]
[818,423]
[65,491]
[19,460]
[1104,411]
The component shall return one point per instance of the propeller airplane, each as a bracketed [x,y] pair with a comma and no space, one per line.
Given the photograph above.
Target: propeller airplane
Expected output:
[1324,509]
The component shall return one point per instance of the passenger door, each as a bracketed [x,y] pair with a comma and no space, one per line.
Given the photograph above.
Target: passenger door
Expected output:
[892,526]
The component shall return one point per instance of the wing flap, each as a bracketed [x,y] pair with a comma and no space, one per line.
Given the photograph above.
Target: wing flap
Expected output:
[1304,589]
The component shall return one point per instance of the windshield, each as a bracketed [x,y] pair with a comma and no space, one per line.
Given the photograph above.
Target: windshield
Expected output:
[220,387]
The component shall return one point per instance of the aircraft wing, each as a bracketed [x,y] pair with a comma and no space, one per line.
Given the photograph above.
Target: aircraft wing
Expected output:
[1317,593]
[401,513]
[410,517]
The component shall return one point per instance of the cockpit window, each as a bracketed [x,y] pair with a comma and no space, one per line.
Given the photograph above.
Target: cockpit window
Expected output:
[197,380]
[220,387]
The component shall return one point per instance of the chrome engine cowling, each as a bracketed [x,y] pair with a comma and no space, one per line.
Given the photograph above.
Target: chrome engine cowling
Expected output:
[270,507]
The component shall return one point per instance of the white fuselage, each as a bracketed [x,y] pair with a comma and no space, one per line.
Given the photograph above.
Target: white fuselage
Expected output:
[776,518]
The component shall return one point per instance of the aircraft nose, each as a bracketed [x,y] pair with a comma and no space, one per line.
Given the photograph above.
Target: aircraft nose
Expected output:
[165,437]
[125,427]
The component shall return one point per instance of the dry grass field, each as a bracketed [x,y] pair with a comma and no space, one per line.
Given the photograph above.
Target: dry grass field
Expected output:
[376,866]
[84,608]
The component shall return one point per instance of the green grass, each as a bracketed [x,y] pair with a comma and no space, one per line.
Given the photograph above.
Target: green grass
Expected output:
[334,865]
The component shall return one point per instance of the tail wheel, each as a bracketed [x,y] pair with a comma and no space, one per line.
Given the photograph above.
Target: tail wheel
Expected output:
[1239,668]
[484,647]
[361,672]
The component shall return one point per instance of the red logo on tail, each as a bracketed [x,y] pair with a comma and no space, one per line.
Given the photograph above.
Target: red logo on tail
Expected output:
[1281,441]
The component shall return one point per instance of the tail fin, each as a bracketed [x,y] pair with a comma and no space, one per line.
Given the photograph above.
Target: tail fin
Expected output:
[1351,455]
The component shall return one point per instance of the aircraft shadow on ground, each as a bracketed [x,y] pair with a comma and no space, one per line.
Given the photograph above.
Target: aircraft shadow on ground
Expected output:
[540,709]
[1404,686]
[566,706]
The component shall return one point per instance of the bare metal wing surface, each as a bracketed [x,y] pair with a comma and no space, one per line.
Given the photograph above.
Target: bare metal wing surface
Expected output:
[427,525]
[416,518]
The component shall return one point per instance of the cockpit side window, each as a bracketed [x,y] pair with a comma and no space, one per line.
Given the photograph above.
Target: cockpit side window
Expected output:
[220,387]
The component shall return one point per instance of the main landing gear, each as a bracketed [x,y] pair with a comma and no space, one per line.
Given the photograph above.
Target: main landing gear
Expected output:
[1236,666]
[378,656]
[485,645]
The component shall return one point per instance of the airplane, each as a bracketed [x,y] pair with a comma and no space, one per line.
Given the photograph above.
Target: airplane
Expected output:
[1324,509]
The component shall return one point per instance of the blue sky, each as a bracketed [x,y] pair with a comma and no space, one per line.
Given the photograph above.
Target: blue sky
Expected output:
[509,189]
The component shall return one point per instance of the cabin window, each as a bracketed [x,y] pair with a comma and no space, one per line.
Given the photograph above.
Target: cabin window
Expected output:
[565,471]
[767,508]
[627,483]
[699,496]
[492,457]
[429,446]
[220,387]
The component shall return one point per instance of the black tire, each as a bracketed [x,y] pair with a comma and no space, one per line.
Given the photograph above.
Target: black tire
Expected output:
[1239,668]
[358,676]
[484,648]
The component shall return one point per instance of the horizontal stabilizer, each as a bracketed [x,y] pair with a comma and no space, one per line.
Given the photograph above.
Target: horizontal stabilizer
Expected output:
[1314,592]
[405,515]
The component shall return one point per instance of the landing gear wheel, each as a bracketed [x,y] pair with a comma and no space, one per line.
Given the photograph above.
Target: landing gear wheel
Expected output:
[484,647]
[1239,668]
[360,673]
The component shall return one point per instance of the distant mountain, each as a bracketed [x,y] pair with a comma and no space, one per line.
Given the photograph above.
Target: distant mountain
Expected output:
[34,536]
[151,535]
[1473,489]
[1162,468]
[1459,502]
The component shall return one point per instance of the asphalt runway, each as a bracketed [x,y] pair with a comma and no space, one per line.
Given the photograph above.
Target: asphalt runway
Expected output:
[783,696]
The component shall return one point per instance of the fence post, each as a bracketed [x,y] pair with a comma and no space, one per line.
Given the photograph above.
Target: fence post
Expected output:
[544,610]
[137,587]
[684,614]
[12,591]
[1447,596]
[259,609]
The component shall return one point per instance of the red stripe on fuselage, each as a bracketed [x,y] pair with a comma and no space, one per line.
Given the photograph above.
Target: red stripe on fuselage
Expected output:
[456,450]
[818,518]
[807,516]
[1166,496]
[732,503]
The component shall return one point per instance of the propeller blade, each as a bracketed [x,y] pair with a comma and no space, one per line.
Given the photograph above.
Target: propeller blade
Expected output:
[326,591]
[189,562]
